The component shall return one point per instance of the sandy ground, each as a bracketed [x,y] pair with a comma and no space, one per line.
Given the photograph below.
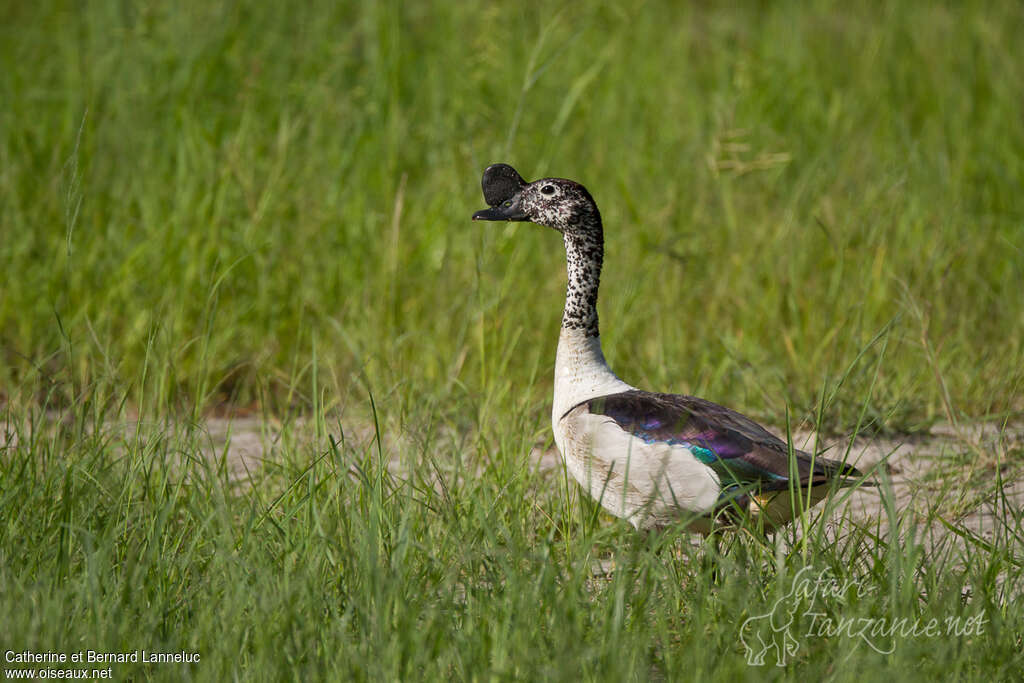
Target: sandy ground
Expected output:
[965,472]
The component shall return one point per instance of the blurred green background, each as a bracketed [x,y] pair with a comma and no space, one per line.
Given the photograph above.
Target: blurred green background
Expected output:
[266,205]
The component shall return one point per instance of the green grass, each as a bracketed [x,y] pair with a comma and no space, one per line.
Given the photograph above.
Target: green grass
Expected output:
[265,206]
[469,566]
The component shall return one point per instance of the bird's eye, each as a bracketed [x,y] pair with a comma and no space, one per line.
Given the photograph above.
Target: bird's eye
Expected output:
[548,189]
[507,203]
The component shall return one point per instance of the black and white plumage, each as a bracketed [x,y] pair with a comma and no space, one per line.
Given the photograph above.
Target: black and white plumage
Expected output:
[649,458]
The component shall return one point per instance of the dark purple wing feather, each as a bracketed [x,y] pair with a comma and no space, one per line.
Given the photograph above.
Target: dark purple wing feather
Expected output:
[739,449]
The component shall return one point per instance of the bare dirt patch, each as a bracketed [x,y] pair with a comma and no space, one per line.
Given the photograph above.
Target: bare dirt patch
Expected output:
[968,474]
[965,473]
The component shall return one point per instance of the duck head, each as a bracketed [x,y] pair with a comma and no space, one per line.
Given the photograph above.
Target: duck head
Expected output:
[558,203]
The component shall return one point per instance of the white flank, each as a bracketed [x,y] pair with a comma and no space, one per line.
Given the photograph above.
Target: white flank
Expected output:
[647,484]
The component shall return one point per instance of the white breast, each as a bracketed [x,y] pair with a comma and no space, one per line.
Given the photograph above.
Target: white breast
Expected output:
[648,484]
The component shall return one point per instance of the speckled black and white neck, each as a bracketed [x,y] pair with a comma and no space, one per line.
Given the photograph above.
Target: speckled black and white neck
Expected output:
[581,371]
[584,255]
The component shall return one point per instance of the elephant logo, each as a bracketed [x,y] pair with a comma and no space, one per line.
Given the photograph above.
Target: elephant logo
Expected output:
[771,631]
